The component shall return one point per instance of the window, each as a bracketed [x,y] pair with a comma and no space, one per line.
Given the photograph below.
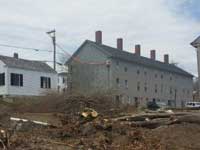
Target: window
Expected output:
[117,81]
[138,86]
[45,82]
[170,78]
[117,99]
[2,79]
[161,76]
[63,80]
[16,79]
[169,102]
[126,84]
[156,88]
[156,75]
[125,69]
[136,102]
[145,87]
[170,90]
[138,72]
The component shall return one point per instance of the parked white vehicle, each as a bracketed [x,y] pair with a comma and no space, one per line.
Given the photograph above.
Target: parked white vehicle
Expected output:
[193,105]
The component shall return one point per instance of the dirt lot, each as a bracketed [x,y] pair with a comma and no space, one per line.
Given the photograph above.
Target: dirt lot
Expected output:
[103,126]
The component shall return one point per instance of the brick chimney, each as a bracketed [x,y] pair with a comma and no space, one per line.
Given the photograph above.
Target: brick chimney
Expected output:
[98,37]
[166,58]
[137,49]
[16,55]
[120,43]
[153,54]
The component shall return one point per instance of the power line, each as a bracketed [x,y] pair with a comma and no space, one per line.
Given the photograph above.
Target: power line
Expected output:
[25,48]
[61,48]
[77,59]
[58,45]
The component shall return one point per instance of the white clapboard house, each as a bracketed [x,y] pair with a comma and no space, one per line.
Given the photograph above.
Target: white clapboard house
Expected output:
[20,77]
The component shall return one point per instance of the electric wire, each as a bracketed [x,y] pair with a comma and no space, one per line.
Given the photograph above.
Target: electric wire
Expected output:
[24,48]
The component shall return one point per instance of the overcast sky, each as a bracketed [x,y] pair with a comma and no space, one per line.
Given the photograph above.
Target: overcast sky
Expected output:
[165,25]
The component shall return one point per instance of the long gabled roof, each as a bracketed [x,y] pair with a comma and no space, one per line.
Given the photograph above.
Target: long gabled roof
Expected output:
[26,64]
[196,42]
[133,58]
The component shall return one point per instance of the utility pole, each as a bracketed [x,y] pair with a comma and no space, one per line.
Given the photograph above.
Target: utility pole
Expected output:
[52,34]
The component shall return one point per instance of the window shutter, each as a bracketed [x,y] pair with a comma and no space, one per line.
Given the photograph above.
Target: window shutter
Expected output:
[12,79]
[41,82]
[3,78]
[21,80]
[49,83]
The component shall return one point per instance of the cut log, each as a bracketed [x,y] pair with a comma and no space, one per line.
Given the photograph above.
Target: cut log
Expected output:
[151,124]
[155,123]
[149,116]
[187,119]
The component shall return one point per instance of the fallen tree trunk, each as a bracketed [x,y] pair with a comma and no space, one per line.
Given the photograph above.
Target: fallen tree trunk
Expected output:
[148,116]
[151,124]
[164,121]
[187,119]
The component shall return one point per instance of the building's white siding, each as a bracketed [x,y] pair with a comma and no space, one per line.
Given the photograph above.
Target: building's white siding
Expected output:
[62,82]
[31,83]
[3,69]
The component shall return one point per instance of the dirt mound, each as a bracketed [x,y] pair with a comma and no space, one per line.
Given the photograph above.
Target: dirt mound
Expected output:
[184,136]
[98,134]
[111,128]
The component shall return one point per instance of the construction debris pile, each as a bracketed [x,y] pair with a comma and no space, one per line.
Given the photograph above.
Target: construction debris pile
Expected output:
[87,124]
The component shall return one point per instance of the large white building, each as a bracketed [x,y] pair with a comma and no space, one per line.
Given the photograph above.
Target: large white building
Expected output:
[135,79]
[20,77]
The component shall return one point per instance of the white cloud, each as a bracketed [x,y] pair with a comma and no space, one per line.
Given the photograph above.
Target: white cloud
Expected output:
[153,23]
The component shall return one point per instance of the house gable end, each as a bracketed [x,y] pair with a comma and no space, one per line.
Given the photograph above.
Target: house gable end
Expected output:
[2,64]
[89,53]
[196,42]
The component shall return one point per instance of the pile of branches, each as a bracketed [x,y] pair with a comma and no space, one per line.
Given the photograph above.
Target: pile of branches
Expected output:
[104,104]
